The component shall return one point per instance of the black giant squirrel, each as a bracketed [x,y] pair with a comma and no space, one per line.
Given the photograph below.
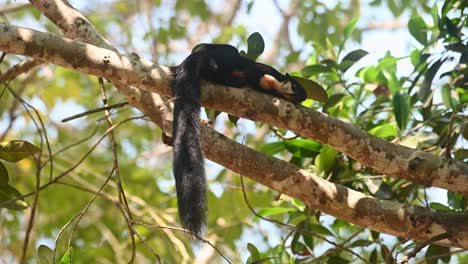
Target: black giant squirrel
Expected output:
[221,64]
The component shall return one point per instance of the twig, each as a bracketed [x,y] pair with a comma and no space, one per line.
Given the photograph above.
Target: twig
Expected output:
[422,245]
[76,143]
[3,56]
[185,231]
[60,234]
[278,134]
[122,197]
[40,127]
[85,209]
[287,226]
[63,174]
[105,108]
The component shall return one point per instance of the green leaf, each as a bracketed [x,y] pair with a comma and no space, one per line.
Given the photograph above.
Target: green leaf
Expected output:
[326,159]
[233,119]
[315,69]
[255,45]
[8,192]
[456,201]
[439,206]
[263,260]
[435,14]
[401,109]
[3,175]
[314,90]
[425,89]
[304,143]
[319,229]
[434,252]
[332,101]
[383,131]
[361,243]
[254,253]
[461,154]
[272,148]
[337,260]
[264,212]
[352,58]
[45,254]
[67,257]
[447,96]
[373,256]
[418,29]
[16,150]
[348,30]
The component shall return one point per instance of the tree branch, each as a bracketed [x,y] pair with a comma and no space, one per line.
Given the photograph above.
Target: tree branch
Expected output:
[393,218]
[385,157]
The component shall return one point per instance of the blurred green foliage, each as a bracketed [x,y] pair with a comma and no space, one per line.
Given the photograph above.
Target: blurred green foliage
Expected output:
[411,108]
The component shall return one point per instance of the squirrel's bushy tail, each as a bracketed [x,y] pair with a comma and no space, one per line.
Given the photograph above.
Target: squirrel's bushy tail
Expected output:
[188,165]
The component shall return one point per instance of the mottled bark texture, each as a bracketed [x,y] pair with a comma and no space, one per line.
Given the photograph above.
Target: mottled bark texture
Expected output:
[386,158]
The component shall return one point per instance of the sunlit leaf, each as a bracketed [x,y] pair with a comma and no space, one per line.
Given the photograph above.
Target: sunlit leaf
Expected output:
[314,70]
[326,159]
[439,206]
[67,257]
[304,143]
[272,148]
[349,28]
[7,193]
[16,150]
[332,101]
[418,29]
[383,131]
[272,211]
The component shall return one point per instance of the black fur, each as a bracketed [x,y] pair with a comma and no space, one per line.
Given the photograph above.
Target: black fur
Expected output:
[221,64]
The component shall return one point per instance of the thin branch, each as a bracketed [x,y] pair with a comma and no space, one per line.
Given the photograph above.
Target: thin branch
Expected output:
[422,245]
[290,227]
[278,134]
[85,209]
[43,135]
[79,162]
[185,231]
[96,110]
[122,197]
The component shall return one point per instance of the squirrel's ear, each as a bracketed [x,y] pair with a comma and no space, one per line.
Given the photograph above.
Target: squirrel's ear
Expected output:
[287,75]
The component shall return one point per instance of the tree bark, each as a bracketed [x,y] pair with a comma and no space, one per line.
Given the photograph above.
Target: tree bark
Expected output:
[389,217]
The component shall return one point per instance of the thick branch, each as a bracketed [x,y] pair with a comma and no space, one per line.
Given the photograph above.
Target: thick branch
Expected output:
[388,217]
[385,157]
